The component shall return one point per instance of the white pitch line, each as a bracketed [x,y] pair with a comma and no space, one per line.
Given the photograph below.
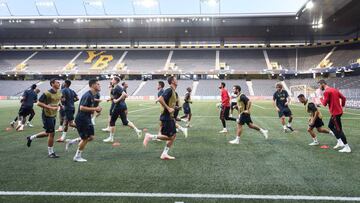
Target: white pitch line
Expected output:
[259,106]
[179,195]
[143,109]
[350,113]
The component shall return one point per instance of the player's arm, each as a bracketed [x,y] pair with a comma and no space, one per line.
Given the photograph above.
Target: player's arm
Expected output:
[314,117]
[343,99]
[98,100]
[46,106]
[188,99]
[85,106]
[325,100]
[121,98]
[288,99]
[23,97]
[248,106]
[274,104]
[163,103]
[76,97]
[90,109]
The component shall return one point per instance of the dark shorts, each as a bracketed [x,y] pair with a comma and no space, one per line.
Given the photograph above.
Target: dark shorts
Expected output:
[111,108]
[317,124]
[285,112]
[224,113]
[85,128]
[23,111]
[244,119]
[119,113]
[168,128]
[233,105]
[187,109]
[49,124]
[69,115]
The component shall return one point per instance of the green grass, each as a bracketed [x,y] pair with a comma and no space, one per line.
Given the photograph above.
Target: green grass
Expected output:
[205,163]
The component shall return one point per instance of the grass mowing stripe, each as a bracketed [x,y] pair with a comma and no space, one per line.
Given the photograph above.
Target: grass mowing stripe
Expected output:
[179,195]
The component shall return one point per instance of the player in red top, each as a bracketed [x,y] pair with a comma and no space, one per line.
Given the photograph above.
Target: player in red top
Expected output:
[225,107]
[332,98]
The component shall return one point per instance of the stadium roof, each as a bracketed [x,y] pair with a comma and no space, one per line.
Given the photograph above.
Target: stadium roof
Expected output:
[17,8]
[177,21]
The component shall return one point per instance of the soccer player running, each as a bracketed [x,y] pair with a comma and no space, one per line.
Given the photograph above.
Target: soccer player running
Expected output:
[281,100]
[225,107]
[186,107]
[49,102]
[161,91]
[120,110]
[69,97]
[315,120]
[28,99]
[83,122]
[244,104]
[168,126]
[332,98]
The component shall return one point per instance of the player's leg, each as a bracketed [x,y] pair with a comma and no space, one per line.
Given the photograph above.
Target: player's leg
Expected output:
[239,130]
[282,120]
[226,114]
[113,118]
[62,119]
[168,134]
[338,125]
[222,118]
[251,125]
[288,113]
[333,128]
[182,129]
[107,129]
[51,136]
[313,136]
[33,137]
[126,122]
[319,124]
[87,135]
[32,114]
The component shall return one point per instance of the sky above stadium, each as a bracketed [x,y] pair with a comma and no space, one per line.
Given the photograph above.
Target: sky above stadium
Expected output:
[146,7]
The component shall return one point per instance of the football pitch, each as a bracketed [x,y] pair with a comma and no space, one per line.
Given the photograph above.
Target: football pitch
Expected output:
[206,169]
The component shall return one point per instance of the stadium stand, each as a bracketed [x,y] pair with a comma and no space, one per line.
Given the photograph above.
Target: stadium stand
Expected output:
[345,55]
[311,57]
[211,87]
[286,58]
[146,61]
[244,60]
[15,87]
[10,59]
[305,81]
[45,61]
[194,61]
[90,61]
[352,82]
[264,87]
